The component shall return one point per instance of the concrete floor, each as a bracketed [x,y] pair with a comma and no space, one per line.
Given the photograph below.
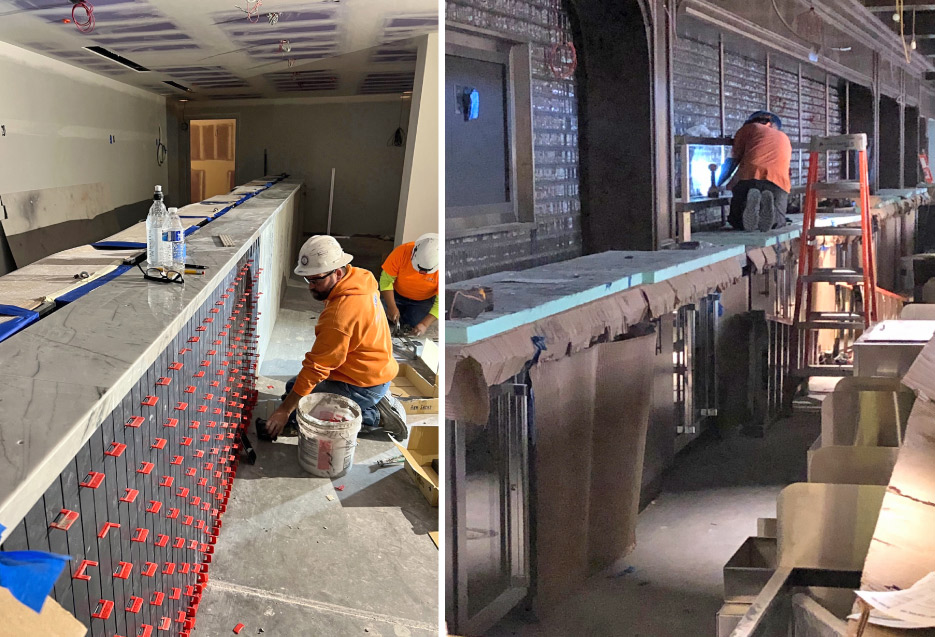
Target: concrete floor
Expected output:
[292,562]
[671,585]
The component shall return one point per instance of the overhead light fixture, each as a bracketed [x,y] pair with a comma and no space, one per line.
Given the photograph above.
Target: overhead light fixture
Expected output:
[178,86]
[113,57]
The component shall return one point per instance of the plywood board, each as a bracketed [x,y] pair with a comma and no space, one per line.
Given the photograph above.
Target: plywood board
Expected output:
[903,550]
[903,547]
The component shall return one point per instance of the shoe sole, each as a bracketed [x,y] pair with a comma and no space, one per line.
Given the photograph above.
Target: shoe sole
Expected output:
[766,215]
[390,420]
[751,210]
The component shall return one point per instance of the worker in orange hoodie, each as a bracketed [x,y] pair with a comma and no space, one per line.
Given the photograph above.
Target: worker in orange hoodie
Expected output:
[353,353]
[409,284]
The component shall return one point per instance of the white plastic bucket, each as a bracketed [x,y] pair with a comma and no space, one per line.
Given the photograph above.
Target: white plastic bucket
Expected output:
[328,427]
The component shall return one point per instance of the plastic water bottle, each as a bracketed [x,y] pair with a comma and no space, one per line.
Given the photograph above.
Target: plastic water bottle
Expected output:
[155,223]
[174,238]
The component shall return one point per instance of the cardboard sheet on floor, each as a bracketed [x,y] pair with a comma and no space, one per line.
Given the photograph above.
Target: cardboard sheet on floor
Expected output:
[51,277]
[852,465]
[592,413]
[903,547]
[826,526]
[38,223]
[18,619]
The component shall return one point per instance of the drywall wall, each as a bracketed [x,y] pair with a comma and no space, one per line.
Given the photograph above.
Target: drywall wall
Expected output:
[418,199]
[58,122]
[307,138]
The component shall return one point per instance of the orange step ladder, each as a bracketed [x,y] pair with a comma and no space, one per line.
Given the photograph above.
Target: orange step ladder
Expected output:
[806,321]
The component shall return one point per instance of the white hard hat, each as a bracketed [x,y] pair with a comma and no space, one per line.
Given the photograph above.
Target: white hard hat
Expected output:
[425,253]
[321,254]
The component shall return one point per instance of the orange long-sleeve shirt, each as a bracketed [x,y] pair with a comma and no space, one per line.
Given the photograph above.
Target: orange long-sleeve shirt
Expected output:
[764,153]
[352,338]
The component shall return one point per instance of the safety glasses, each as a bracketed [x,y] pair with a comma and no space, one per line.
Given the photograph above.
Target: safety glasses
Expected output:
[161,276]
[320,277]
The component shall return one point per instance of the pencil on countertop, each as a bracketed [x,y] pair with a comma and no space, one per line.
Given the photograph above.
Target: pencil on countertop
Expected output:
[199,272]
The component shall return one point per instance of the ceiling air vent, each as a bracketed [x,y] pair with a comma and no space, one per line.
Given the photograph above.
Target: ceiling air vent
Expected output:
[119,59]
[178,86]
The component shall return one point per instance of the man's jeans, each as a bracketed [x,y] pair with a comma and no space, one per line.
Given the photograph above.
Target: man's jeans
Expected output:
[411,312]
[365,397]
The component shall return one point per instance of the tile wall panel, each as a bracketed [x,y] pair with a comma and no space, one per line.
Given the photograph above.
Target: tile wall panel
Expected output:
[556,233]
[163,493]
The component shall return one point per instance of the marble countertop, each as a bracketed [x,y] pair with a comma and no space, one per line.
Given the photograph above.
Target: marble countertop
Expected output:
[530,295]
[62,375]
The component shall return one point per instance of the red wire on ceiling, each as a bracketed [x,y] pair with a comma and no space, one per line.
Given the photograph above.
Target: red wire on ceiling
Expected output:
[88,24]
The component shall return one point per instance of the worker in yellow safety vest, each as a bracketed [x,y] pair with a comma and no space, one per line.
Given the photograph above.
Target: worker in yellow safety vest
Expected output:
[409,284]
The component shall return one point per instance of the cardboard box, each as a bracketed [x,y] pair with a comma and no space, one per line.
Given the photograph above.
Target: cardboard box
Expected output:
[416,394]
[422,449]
[18,619]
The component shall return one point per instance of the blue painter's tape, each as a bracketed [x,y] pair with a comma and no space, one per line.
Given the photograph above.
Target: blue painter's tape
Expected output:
[23,317]
[30,575]
[77,293]
[117,245]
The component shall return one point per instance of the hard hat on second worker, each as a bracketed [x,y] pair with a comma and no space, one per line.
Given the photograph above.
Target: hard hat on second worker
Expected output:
[321,254]
[425,253]
[765,114]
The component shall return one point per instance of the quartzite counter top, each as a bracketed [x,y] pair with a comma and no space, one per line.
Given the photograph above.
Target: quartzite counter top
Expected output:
[62,375]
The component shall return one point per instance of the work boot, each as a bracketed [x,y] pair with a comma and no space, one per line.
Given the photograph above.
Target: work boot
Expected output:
[393,417]
[765,220]
[751,210]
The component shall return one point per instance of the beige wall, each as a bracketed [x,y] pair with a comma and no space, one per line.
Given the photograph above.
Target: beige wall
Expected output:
[418,198]
[307,138]
[59,119]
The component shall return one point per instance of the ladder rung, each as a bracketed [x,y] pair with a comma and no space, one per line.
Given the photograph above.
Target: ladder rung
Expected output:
[835,231]
[857,141]
[834,275]
[834,189]
[836,316]
[824,370]
[831,325]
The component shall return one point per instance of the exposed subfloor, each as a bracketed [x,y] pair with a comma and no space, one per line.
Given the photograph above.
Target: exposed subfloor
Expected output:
[299,555]
[671,585]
